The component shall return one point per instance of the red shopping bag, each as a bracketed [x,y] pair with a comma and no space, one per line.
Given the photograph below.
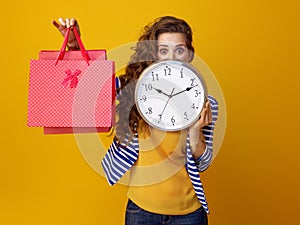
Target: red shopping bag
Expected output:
[71,91]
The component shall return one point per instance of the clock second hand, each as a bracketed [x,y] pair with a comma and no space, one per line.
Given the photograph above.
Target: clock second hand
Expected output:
[170,96]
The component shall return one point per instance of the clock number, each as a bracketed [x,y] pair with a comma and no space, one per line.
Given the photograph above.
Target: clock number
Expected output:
[154,76]
[181,73]
[148,87]
[167,71]
[160,116]
[197,93]
[193,82]
[149,111]
[172,120]
[186,116]
[194,107]
[143,98]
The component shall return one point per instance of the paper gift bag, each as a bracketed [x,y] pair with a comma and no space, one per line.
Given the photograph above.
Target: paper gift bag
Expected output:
[72,92]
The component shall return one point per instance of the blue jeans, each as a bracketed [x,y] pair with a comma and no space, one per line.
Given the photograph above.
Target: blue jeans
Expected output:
[137,216]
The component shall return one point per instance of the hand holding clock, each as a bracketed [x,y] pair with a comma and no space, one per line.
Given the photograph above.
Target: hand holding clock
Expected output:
[197,140]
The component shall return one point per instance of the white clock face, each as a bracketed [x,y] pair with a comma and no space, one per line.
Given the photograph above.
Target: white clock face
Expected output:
[170,95]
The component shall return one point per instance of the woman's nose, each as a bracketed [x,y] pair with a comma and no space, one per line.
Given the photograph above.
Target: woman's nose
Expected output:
[172,55]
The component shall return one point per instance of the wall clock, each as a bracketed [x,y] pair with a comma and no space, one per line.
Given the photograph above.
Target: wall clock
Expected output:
[170,95]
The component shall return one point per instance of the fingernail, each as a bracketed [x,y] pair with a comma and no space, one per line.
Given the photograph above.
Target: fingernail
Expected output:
[72,22]
[62,22]
[68,22]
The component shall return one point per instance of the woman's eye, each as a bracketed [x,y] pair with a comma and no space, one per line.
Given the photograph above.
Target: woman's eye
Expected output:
[180,51]
[163,51]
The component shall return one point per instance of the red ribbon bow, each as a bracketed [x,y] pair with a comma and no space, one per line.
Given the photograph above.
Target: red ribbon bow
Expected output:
[73,77]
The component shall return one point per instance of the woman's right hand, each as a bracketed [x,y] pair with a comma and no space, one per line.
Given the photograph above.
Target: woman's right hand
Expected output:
[62,26]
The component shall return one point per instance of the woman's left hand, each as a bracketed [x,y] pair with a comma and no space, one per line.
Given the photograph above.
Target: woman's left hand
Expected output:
[205,118]
[195,132]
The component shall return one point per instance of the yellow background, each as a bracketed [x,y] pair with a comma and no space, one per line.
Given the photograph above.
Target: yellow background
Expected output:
[253,49]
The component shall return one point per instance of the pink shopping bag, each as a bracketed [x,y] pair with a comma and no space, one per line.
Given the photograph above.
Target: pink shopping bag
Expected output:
[71,91]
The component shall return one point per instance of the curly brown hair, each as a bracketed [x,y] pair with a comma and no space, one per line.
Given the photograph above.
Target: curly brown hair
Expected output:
[145,53]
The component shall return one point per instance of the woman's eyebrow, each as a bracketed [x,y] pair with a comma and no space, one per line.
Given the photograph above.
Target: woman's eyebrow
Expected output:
[181,44]
[168,45]
[163,45]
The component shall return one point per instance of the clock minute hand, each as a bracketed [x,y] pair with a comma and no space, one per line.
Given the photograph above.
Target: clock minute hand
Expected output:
[187,89]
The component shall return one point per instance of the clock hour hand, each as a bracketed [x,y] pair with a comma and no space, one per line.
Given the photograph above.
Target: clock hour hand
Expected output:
[187,89]
[161,92]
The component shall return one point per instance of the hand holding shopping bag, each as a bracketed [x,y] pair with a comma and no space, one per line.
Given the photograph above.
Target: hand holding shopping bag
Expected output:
[71,91]
[62,27]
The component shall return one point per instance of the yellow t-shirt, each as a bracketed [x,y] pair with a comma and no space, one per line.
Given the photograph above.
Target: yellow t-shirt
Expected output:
[159,181]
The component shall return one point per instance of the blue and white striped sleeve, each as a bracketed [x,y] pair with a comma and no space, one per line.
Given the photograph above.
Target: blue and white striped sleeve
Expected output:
[118,86]
[119,159]
[205,159]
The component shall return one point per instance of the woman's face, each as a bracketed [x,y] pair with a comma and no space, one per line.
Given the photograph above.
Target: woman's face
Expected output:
[172,46]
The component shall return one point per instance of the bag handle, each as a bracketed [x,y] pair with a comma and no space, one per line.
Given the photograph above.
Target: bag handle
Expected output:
[81,46]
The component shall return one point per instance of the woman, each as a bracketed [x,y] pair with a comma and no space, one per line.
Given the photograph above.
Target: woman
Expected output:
[177,198]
